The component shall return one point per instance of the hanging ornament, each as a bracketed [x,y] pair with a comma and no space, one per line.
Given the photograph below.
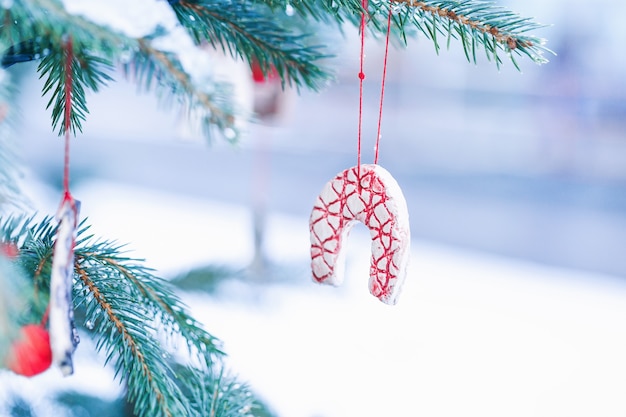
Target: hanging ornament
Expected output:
[63,335]
[369,194]
[10,250]
[374,198]
[30,354]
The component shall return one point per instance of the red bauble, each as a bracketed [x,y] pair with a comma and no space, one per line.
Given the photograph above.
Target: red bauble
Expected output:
[10,250]
[30,354]
[259,77]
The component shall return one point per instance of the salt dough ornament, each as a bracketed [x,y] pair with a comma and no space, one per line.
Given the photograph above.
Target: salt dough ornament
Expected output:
[63,335]
[368,194]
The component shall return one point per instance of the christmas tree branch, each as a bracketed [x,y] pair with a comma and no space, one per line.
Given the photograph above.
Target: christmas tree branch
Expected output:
[69,72]
[215,393]
[137,306]
[38,29]
[246,32]
[475,23]
[150,63]
[136,319]
[129,341]
[46,25]
[154,293]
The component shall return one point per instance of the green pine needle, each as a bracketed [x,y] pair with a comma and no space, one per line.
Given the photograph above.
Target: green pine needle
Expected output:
[475,24]
[152,69]
[86,72]
[246,31]
[271,33]
[139,324]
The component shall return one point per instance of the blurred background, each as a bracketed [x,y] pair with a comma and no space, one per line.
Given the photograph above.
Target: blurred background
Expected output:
[516,187]
[530,165]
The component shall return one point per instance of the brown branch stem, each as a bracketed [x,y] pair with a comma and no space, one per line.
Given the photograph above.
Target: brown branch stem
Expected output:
[510,41]
[119,326]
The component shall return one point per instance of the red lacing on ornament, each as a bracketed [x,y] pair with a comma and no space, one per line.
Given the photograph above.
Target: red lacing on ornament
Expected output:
[352,199]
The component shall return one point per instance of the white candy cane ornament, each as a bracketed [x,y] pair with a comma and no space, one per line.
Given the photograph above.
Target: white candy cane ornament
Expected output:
[63,334]
[368,194]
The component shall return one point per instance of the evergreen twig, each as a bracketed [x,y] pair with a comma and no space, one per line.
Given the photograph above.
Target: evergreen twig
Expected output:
[149,64]
[154,293]
[136,319]
[45,24]
[472,22]
[475,23]
[246,32]
[85,72]
[35,29]
[127,337]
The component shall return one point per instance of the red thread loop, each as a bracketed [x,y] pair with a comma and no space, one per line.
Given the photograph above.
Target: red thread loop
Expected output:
[361,75]
[382,88]
[361,78]
[69,58]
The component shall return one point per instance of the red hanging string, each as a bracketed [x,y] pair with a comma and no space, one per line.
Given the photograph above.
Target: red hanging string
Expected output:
[46,314]
[361,78]
[382,88]
[69,58]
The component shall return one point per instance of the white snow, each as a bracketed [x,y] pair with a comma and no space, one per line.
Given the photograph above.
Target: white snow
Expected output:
[140,18]
[136,19]
[472,334]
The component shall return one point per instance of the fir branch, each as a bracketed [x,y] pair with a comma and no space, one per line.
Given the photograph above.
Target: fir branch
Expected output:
[150,64]
[155,294]
[84,71]
[216,394]
[240,28]
[136,304]
[474,23]
[35,243]
[34,25]
[45,24]
[133,315]
[129,340]
[477,23]
[41,29]
[227,397]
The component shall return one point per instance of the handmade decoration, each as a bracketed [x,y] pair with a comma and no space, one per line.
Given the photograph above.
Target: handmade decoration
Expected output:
[374,198]
[63,335]
[369,194]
